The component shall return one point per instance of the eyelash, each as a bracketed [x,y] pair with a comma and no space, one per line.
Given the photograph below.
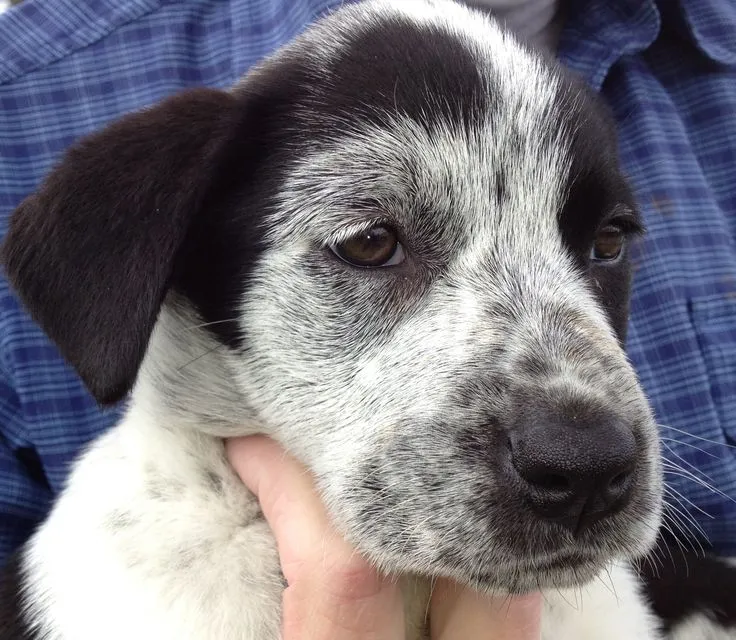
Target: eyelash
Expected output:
[348,232]
[628,224]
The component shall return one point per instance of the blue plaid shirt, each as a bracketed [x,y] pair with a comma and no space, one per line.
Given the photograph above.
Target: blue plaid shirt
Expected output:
[667,68]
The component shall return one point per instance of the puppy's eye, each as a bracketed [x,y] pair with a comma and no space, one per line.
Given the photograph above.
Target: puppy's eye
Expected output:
[608,245]
[375,247]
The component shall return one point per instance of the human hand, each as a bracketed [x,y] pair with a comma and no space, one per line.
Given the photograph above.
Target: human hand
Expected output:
[332,592]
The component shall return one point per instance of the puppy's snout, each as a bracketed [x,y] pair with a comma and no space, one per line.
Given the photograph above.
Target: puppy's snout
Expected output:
[573,469]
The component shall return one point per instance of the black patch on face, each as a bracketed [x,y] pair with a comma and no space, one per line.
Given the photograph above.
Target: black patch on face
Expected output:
[12,623]
[479,444]
[226,240]
[596,188]
[371,480]
[679,584]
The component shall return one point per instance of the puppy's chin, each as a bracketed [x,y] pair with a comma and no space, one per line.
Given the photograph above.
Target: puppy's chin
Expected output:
[519,574]
[552,562]
[524,578]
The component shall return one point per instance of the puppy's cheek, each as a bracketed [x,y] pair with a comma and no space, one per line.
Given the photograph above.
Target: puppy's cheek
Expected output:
[406,500]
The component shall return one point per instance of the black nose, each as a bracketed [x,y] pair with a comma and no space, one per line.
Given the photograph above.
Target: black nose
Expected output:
[573,469]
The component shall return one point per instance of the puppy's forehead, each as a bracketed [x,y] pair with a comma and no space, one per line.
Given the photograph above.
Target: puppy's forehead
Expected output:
[425,60]
[428,108]
[418,98]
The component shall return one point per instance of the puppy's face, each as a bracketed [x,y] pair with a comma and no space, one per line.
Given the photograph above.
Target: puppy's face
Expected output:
[412,247]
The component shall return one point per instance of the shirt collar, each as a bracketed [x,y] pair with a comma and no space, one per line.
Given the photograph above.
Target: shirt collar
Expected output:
[712,27]
[598,33]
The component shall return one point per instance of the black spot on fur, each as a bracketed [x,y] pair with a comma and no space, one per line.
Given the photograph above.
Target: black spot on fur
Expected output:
[501,186]
[12,624]
[120,520]
[596,188]
[533,366]
[680,584]
[370,480]
[215,482]
[476,443]
[160,488]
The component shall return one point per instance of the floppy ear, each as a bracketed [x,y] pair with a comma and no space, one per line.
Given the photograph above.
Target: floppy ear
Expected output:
[92,253]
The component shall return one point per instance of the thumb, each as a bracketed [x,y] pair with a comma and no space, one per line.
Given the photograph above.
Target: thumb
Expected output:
[332,593]
[297,517]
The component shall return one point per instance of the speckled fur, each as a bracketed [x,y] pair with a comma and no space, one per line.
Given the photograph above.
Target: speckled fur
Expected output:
[394,387]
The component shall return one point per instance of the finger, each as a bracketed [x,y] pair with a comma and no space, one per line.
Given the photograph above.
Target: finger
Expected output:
[332,593]
[458,613]
[288,499]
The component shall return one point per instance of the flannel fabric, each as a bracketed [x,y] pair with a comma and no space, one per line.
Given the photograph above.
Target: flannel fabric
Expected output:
[668,70]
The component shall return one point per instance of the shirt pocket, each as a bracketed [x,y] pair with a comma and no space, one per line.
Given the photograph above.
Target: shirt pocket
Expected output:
[714,321]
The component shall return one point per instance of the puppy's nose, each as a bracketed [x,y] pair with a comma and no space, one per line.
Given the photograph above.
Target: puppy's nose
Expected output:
[573,472]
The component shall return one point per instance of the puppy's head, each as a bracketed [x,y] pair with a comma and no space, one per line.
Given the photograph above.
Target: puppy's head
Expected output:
[401,246]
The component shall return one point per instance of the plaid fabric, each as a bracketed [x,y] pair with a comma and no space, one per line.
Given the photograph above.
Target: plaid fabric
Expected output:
[69,66]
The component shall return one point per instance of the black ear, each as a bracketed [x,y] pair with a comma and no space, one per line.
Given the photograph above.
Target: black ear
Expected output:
[91,254]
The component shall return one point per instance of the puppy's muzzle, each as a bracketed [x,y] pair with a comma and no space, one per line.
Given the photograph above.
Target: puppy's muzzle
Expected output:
[572,463]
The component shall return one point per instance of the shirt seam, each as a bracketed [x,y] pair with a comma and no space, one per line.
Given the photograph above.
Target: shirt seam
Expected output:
[43,49]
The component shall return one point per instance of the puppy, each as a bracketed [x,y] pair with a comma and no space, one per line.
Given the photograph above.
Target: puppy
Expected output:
[400,247]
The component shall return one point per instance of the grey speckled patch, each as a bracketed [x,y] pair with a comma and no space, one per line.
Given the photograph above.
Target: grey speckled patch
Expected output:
[215,481]
[120,519]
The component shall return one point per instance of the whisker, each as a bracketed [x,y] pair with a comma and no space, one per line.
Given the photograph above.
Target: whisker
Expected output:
[692,446]
[690,435]
[678,496]
[651,558]
[676,538]
[684,473]
[206,353]
[689,464]
[687,536]
[209,324]
[613,584]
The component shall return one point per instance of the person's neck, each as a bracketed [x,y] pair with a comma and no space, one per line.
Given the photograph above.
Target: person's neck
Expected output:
[537,22]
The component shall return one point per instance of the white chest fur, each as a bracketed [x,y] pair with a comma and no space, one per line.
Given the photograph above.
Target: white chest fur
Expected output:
[156,538]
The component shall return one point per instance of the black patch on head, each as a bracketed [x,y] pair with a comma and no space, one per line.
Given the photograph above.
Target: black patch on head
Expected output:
[596,188]
[12,623]
[399,67]
[533,365]
[679,584]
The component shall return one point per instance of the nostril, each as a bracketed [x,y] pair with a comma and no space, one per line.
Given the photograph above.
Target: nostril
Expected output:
[620,480]
[619,484]
[573,465]
[553,482]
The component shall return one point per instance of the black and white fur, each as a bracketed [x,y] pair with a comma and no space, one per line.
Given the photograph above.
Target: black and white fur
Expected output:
[184,253]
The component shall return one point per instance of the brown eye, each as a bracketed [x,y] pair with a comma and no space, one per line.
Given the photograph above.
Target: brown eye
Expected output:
[609,243]
[375,247]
